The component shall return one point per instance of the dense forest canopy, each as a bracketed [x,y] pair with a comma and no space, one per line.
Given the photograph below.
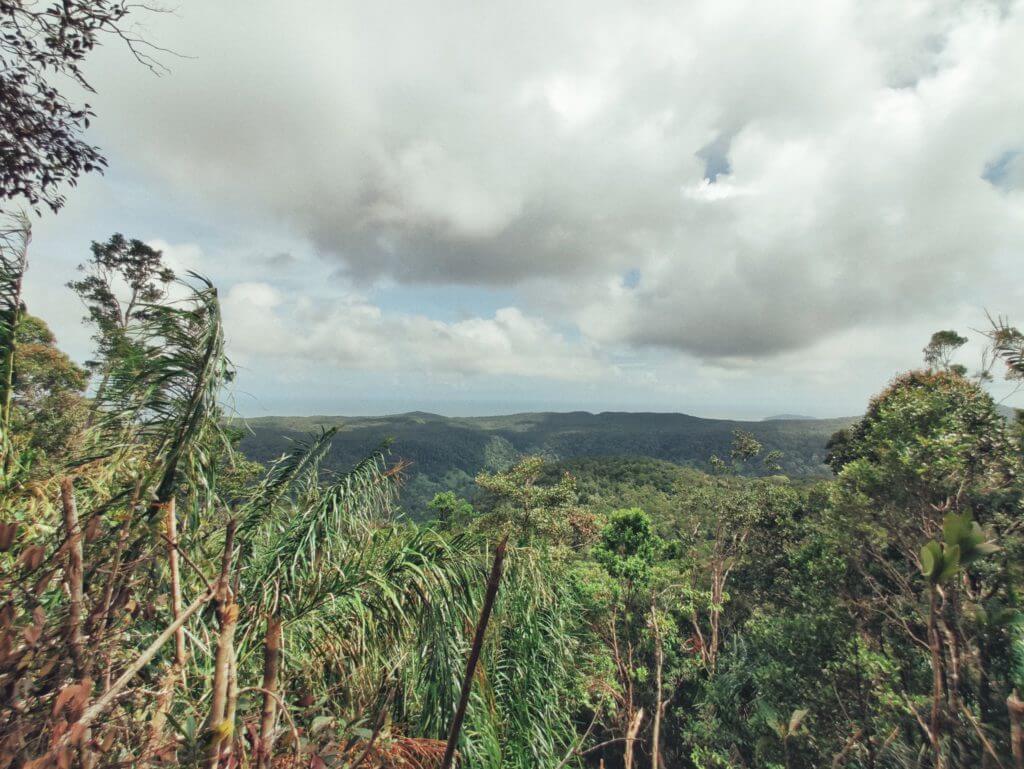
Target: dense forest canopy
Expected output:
[170,600]
[445,453]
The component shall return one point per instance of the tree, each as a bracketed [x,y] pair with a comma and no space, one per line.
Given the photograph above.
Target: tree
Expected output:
[939,351]
[627,550]
[742,451]
[528,510]
[451,509]
[121,279]
[49,406]
[41,145]
[930,456]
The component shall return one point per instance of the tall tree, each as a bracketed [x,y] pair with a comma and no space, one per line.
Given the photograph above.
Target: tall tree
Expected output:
[939,351]
[121,278]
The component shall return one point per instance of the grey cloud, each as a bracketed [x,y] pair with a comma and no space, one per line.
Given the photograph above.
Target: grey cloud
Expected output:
[558,147]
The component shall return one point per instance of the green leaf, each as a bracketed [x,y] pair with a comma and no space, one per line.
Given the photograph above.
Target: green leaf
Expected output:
[956,528]
[796,720]
[986,548]
[320,723]
[931,559]
[950,563]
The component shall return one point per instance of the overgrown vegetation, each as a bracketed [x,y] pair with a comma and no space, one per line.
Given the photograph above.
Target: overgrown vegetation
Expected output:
[169,601]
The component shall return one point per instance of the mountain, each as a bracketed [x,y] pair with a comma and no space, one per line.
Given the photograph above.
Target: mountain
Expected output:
[448,452]
[778,417]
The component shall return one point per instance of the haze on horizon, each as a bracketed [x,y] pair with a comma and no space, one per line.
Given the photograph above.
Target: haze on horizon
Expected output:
[717,208]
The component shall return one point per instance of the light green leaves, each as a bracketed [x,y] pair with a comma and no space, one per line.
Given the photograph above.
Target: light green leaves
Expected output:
[965,533]
[938,562]
[963,543]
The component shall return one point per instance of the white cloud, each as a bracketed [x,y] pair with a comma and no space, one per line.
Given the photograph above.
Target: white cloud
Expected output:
[533,144]
[866,156]
[350,332]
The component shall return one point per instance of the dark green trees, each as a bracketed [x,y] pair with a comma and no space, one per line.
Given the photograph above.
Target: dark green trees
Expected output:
[119,282]
[927,488]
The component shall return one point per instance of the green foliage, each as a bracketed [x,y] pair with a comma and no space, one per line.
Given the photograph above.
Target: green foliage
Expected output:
[518,505]
[938,353]
[447,453]
[451,510]
[121,279]
[48,406]
[963,543]
[760,621]
[628,546]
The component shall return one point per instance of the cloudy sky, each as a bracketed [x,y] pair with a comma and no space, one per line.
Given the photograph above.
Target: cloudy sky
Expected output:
[724,208]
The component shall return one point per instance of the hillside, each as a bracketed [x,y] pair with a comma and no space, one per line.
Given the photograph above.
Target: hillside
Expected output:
[447,452]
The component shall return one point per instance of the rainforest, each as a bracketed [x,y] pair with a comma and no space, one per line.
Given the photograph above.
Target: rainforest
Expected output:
[424,385]
[170,600]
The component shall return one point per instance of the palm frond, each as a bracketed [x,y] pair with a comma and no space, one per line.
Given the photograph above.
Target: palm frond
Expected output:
[15,236]
[300,464]
[325,523]
[168,398]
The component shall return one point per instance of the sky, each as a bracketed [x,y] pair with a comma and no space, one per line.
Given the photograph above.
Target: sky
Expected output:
[730,209]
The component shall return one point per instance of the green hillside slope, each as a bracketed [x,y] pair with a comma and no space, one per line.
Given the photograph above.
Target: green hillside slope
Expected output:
[447,452]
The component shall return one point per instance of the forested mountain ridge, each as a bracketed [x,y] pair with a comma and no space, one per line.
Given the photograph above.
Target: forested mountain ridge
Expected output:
[447,452]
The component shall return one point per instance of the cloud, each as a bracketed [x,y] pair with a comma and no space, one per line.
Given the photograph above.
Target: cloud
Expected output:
[775,174]
[351,332]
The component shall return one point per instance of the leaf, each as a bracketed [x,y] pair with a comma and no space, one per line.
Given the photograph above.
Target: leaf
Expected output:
[955,528]
[987,548]
[950,563]
[931,560]
[320,723]
[796,720]
[7,532]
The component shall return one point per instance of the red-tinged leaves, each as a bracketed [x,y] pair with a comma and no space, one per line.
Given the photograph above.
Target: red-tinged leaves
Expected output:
[32,557]
[77,733]
[7,534]
[31,634]
[107,741]
[72,700]
[6,644]
[43,583]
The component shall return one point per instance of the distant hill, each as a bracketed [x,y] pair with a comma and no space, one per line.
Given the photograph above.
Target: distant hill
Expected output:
[1008,412]
[779,417]
[447,452]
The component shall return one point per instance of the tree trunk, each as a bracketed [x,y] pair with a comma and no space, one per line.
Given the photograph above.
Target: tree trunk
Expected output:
[227,614]
[935,645]
[631,733]
[953,652]
[717,591]
[1015,707]
[174,568]
[659,704]
[493,581]
[155,743]
[231,708]
[271,671]
[73,574]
